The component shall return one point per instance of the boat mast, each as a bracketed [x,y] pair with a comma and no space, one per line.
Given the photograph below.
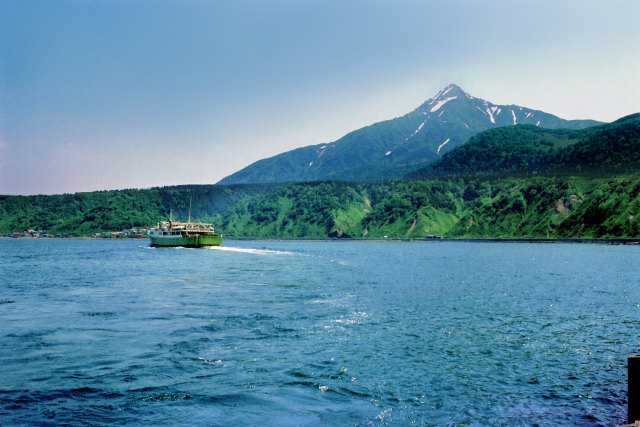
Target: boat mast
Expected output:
[189,221]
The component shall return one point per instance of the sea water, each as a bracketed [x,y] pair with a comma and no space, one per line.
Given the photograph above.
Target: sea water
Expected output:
[316,333]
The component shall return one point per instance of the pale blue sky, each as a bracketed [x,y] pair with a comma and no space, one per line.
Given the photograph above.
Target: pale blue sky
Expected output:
[139,93]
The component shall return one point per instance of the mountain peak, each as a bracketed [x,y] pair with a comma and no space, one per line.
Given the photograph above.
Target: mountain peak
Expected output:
[448,93]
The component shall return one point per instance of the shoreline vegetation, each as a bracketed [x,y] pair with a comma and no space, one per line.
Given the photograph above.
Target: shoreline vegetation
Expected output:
[564,208]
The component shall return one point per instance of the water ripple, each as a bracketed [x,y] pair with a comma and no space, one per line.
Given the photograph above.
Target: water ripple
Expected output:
[304,333]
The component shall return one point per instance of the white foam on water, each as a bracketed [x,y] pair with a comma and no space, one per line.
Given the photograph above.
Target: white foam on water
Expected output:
[250,250]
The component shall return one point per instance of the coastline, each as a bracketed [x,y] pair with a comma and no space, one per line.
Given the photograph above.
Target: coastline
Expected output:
[607,241]
[620,241]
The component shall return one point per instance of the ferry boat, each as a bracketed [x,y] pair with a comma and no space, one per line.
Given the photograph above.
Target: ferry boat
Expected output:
[187,234]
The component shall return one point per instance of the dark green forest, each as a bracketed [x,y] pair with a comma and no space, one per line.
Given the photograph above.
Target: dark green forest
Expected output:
[101,211]
[535,207]
[526,150]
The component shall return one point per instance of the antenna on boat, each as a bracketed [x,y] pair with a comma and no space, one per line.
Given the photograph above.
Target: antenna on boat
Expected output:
[189,222]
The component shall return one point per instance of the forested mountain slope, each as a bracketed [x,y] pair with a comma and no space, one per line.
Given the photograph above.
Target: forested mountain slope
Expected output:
[611,148]
[393,148]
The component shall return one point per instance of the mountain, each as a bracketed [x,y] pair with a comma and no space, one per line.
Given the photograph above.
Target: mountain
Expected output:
[393,148]
[526,149]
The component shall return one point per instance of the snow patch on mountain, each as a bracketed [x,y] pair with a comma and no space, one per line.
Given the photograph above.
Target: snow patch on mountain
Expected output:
[416,131]
[491,116]
[515,122]
[443,144]
[441,103]
[447,91]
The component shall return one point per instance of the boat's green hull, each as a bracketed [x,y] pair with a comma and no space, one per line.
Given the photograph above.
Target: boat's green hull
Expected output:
[188,241]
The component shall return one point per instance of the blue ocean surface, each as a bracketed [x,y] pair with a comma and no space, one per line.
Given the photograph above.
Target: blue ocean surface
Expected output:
[316,333]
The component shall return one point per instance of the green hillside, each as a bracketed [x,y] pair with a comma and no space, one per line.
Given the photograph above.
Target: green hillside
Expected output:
[100,211]
[535,207]
[538,207]
[337,209]
[565,207]
[527,150]
[611,149]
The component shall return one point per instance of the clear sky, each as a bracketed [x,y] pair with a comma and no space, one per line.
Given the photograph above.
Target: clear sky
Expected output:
[98,94]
